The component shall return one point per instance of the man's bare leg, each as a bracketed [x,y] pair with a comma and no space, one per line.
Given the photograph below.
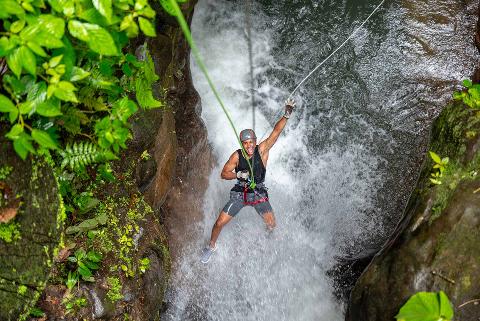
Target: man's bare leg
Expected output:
[222,220]
[269,220]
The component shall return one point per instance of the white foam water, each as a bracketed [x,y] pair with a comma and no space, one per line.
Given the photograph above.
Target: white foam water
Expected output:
[324,173]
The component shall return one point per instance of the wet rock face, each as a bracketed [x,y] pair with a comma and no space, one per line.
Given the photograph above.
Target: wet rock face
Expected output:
[25,259]
[435,246]
[442,256]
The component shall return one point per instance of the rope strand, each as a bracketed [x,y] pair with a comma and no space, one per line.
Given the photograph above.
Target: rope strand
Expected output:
[250,58]
[198,59]
[329,56]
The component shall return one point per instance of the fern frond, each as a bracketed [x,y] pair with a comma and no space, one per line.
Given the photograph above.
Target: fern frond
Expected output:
[81,154]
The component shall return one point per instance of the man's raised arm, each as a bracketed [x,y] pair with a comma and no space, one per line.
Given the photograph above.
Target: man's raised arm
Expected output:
[278,128]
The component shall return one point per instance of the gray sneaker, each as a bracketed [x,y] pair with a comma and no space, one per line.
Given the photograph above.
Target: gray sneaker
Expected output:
[207,254]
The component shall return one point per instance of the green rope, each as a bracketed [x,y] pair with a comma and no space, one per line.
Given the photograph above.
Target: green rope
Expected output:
[198,59]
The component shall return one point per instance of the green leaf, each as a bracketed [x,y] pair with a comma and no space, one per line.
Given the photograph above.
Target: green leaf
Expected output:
[94,256]
[26,107]
[435,157]
[67,7]
[10,7]
[65,90]
[144,94]
[43,139]
[467,83]
[446,310]
[12,116]
[36,312]
[92,265]
[93,16]
[37,92]
[147,12]
[123,109]
[49,108]
[127,70]
[6,105]
[14,132]
[147,27]
[130,26]
[22,145]
[35,47]
[104,7]
[97,38]
[28,60]
[14,62]
[78,74]
[17,26]
[53,62]
[5,46]
[84,270]
[72,279]
[52,24]
[426,306]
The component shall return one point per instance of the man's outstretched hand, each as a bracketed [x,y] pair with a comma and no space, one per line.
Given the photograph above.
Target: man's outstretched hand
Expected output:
[243,175]
[289,106]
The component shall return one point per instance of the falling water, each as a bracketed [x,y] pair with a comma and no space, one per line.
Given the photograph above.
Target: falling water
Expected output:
[342,171]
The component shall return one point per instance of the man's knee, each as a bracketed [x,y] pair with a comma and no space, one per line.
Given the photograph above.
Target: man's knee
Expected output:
[269,220]
[223,219]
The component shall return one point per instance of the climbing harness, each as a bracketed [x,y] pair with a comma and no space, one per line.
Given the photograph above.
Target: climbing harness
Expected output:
[260,200]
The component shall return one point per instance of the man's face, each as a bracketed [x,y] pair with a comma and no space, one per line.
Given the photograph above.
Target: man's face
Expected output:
[249,146]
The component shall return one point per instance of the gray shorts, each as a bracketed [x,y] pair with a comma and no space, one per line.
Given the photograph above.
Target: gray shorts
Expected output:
[236,203]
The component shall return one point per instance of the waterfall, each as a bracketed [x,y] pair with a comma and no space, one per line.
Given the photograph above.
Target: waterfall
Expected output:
[341,172]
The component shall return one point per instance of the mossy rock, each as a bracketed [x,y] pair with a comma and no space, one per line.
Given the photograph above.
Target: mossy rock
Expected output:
[435,246]
[25,261]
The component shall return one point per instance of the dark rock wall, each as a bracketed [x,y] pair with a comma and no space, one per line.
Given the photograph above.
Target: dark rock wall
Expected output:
[30,191]
[435,246]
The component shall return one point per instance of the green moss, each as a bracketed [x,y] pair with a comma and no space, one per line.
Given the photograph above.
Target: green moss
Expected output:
[114,289]
[22,289]
[10,232]
[5,171]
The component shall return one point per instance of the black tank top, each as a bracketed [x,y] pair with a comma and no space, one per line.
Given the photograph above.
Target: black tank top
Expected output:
[259,169]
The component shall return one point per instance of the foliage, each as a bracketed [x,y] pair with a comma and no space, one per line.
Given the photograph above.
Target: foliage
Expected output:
[9,232]
[145,155]
[426,306]
[114,289]
[438,168]
[72,303]
[144,265]
[36,312]
[5,171]
[470,96]
[86,263]
[22,289]
[68,75]
[82,154]
[72,280]
[87,225]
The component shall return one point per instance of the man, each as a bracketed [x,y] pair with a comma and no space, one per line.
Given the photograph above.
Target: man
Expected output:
[248,191]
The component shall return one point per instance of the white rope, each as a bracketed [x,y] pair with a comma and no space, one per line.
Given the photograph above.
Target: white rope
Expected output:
[343,44]
[329,56]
